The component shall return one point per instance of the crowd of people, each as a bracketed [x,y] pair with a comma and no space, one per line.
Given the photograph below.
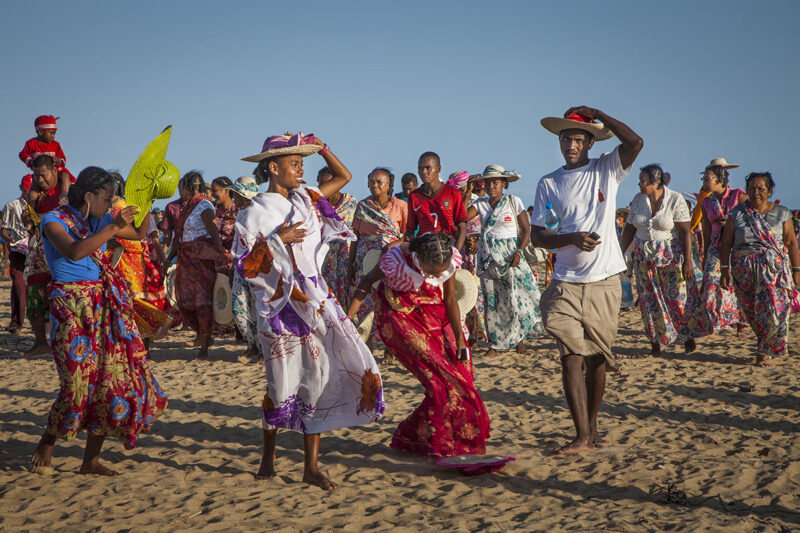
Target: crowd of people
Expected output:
[308,301]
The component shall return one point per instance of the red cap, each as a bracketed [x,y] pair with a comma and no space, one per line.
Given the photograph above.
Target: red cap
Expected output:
[577,117]
[45,122]
[27,181]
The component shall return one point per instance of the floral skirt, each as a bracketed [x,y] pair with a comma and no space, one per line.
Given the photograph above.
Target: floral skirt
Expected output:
[671,306]
[334,270]
[452,418]
[106,385]
[764,300]
[511,303]
[720,303]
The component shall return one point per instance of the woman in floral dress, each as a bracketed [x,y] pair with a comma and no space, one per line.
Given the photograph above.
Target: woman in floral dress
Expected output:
[659,224]
[511,295]
[759,253]
[107,387]
[719,302]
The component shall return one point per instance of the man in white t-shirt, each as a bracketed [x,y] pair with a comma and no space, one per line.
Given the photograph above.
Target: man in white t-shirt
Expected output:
[581,306]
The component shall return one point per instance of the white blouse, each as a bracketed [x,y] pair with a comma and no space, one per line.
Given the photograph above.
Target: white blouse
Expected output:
[661,226]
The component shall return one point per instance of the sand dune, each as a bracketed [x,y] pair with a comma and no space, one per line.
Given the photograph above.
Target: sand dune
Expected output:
[691,443]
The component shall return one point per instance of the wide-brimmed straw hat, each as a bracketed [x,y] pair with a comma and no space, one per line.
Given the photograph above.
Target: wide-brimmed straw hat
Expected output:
[152,176]
[223,300]
[496,171]
[720,162]
[298,144]
[466,291]
[576,121]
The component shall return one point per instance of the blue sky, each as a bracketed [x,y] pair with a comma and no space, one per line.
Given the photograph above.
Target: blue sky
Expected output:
[382,82]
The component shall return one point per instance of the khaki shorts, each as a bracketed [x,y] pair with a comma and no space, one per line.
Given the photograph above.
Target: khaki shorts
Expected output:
[583,317]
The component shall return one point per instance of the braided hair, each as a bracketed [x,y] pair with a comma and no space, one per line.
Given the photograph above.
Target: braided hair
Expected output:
[432,248]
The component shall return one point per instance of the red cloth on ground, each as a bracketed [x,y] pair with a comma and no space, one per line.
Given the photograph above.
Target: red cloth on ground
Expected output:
[440,213]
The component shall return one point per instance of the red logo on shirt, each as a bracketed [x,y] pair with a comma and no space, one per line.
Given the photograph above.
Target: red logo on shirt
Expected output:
[507,219]
[600,196]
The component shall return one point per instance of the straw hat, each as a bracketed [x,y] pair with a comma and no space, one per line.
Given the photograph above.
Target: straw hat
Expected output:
[577,122]
[496,171]
[286,145]
[720,162]
[466,291]
[223,300]
[151,176]
[364,328]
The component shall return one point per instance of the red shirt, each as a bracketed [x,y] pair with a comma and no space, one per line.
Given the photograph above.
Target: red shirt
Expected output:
[439,213]
[34,148]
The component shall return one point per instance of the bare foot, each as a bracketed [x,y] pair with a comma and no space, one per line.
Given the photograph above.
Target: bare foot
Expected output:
[260,358]
[741,331]
[316,478]
[491,353]
[763,361]
[95,468]
[522,349]
[36,349]
[44,450]
[689,346]
[265,471]
[192,343]
[655,348]
[576,446]
[202,354]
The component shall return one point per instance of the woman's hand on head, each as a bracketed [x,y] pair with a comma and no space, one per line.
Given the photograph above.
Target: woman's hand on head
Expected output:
[125,217]
[291,233]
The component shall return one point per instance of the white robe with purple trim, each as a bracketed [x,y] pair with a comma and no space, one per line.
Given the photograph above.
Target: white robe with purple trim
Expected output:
[320,374]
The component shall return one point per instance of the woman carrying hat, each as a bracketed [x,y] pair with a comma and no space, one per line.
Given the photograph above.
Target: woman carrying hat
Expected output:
[320,374]
[759,252]
[417,316]
[510,293]
[719,301]
[658,224]
[107,387]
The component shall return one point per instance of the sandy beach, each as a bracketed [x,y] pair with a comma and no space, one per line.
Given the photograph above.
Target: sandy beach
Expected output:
[704,442]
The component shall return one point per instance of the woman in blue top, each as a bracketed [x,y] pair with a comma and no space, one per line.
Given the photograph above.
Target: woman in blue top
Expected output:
[106,384]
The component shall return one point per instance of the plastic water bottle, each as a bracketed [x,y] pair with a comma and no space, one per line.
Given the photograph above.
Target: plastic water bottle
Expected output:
[551,220]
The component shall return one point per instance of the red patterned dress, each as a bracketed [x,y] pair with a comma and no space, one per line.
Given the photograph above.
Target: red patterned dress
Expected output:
[412,321]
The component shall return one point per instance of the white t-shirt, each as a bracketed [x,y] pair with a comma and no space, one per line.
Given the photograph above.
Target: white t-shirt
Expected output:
[194,227]
[585,199]
[506,226]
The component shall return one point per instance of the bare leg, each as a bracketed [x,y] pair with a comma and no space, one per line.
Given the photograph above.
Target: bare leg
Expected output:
[267,468]
[44,450]
[576,393]
[689,346]
[311,473]
[91,458]
[41,345]
[741,330]
[595,388]
[205,342]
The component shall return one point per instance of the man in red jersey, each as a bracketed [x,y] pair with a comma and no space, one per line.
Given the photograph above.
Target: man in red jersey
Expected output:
[436,206]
